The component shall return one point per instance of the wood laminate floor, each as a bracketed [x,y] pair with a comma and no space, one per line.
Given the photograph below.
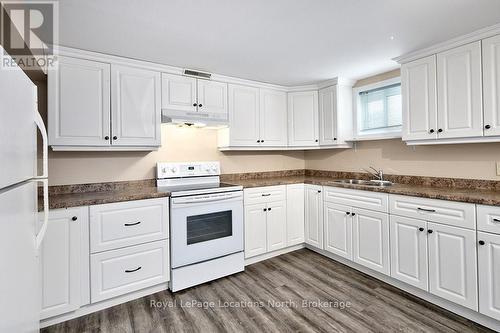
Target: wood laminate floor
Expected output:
[269,297]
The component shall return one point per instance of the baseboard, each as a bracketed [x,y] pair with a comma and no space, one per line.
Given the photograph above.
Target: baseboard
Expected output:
[441,302]
[269,255]
[86,309]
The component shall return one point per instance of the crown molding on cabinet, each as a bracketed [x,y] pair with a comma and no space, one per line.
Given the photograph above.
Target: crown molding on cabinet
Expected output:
[450,44]
[96,56]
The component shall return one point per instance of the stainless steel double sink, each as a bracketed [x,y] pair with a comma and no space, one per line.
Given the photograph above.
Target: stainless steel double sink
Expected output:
[376,183]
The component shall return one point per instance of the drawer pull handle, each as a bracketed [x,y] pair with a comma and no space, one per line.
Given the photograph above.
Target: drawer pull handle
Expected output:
[133,270]
[426,210]
[132,224]
[266,195]
[496,220]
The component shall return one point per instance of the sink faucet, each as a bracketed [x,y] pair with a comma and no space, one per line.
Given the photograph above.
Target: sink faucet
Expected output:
[378,174]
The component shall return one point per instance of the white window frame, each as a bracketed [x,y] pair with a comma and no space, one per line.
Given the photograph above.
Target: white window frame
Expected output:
[382,134]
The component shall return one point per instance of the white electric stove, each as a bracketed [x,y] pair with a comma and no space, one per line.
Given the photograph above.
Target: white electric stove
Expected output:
[206,223]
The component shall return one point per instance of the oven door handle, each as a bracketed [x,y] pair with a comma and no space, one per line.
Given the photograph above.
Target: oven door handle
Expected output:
[190,202]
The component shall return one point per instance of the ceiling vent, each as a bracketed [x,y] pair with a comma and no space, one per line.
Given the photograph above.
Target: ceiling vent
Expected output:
[197,74]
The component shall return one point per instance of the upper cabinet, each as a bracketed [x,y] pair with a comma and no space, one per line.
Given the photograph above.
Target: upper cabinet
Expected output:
[79,103]
[257,118]
[452,96]
[100,106]
[303,120]
[135,106]
[335,115]
[212,97]
[418,87]
[460,110]
[491,89]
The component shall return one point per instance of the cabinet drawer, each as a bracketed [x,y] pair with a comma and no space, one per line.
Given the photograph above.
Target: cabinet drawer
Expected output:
[457,214]
[357,198]
[264,194]
[488,219]
[117,272]
[128,223]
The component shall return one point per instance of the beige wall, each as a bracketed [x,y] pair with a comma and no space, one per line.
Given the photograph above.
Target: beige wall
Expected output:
[178,144]
[395,157]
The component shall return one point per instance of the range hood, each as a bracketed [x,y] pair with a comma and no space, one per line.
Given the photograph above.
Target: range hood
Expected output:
[185,115]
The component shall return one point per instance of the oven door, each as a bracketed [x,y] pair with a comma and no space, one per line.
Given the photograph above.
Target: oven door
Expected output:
[205,227]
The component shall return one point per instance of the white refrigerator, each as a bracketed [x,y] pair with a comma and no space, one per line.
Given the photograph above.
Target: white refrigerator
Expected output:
[20,233]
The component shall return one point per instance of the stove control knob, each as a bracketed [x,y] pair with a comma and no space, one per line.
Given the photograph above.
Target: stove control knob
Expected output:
[173,169]
[207,168]
[214,168]
[164,170]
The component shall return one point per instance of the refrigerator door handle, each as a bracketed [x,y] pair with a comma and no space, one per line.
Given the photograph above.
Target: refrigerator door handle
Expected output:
[43,131]
[41,233]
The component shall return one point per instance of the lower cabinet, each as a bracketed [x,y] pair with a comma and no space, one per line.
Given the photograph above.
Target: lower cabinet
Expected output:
[409,251]
[338,229]
[295,214]
[488,255]
[265,227]
[452,264]
[64,262]
[314,215]
[370,231]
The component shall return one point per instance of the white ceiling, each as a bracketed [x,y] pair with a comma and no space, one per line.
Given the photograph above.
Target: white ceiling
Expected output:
[285,42]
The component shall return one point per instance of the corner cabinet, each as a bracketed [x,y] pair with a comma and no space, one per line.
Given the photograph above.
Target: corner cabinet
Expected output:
[303,121]
[95,105]
[314,215]
[64,262]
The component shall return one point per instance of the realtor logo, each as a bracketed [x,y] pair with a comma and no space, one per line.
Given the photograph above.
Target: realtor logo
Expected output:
[28,31]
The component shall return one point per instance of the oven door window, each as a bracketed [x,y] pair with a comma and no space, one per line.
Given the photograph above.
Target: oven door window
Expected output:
[205,227]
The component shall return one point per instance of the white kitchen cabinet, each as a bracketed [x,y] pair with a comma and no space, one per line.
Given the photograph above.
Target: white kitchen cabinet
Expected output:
[79,103]
[314,215]
[244,116]
[295,214]
[459,91]
[452,264]
[488,218]
[273,118]
[303,122]
[276,225]
[409,251]
[418,86]
[64,262]
[212,97]
[371,239]
[488,254]
[491,88]
[178,92]
[136,106]
[338,229]
[335,115]
[255,230]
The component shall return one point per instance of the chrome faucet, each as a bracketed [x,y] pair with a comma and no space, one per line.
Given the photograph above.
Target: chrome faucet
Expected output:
[378,174]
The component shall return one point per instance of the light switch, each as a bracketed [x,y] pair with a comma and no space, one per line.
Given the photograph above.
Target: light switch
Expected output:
[498,168]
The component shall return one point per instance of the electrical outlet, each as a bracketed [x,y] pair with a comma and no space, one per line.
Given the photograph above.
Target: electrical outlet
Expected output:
[498,168]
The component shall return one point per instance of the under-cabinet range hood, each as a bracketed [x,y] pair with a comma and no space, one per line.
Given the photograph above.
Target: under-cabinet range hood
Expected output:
[189,112]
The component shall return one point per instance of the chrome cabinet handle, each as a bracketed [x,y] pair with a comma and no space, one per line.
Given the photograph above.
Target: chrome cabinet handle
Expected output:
[132,224]
[133,270]
[426,210]
[496,220]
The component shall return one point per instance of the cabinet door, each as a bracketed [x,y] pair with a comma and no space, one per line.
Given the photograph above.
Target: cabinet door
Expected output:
[178,92]
[276,225]
[64,262]
[212,97]
[295,214]
[303,119]
[338,230]
[79,103]
[371,239]
[273,124]
[135,106]
[255,230]
[409,251]
[314,216]
[460,109]
[452,264]
[491,89]
[328,116]
[488,255]
[243,115]
[418,87]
